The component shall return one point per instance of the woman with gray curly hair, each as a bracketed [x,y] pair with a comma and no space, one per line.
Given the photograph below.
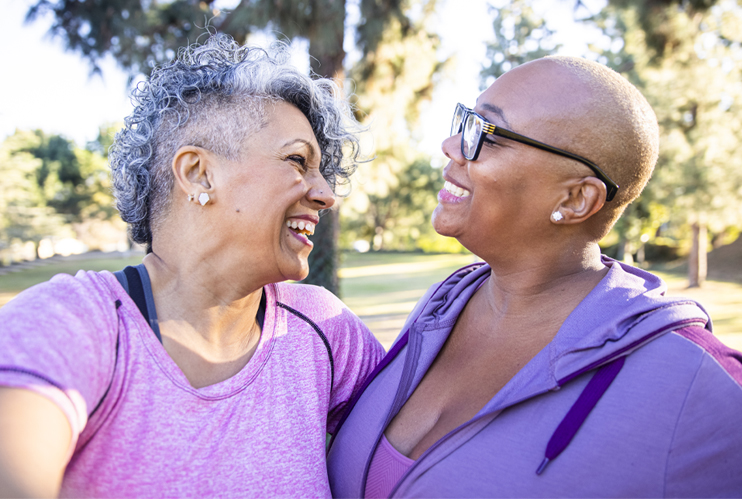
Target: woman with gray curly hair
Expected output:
[198,372]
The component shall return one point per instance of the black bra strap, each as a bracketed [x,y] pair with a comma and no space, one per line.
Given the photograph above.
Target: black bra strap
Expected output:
[136,291]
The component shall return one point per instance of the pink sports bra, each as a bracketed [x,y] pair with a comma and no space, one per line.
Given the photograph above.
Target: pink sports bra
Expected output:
[387,467]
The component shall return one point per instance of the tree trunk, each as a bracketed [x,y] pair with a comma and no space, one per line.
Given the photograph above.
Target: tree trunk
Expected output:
[697,260]
[326,59]
[624,250]
[640,256]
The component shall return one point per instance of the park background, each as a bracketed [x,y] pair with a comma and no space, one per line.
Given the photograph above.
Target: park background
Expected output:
[404,63]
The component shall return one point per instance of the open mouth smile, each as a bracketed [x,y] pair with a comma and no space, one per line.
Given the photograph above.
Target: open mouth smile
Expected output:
[457,191]
[301,227]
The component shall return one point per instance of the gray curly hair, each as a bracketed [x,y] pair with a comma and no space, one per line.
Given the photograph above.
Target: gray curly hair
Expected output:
[213,96]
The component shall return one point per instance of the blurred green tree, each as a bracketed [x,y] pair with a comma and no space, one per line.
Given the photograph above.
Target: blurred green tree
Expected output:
[397,219]
[24,212]
[72,181]
[48,185]
[685,59]
[521,35]
[392,202]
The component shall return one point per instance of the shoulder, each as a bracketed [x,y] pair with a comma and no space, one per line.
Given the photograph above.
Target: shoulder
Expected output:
[63,332]
[312,301]
[707,426]
[444,292]
[89,295]
[325,313]
[693,362]
[715,359]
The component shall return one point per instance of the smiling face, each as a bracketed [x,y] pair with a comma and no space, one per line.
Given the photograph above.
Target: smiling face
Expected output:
[269,200]
[502,201]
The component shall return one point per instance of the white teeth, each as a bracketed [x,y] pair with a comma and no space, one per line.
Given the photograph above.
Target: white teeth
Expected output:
[456,190]
[301,226]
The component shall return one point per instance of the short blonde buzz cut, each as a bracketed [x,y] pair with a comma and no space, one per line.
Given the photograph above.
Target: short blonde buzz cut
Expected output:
[618,131]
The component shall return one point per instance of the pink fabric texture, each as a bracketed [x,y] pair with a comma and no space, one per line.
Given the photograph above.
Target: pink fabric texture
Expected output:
[141,430]
[387,467]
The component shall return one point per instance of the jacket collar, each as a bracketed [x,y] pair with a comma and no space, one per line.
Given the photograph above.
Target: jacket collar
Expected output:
[627,309]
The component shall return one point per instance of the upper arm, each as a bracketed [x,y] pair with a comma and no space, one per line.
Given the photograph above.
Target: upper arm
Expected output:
[57,355]
[706,450]
[35,439]
[357,352]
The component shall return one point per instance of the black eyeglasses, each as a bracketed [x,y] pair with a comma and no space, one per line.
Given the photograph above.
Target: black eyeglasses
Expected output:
[475,128]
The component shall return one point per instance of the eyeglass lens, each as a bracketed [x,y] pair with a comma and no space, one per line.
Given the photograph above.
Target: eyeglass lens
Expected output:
[458,117]
[472,131]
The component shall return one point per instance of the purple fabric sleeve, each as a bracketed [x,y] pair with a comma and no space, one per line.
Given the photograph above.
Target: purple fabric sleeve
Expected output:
[728,358]
[703,460]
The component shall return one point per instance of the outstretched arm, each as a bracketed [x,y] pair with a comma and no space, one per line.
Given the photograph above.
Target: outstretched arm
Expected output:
[34,444]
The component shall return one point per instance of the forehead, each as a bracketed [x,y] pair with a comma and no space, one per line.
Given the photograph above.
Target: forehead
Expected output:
[287,118]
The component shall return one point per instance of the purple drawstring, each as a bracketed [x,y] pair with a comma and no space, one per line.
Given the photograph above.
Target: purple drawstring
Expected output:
[579,411]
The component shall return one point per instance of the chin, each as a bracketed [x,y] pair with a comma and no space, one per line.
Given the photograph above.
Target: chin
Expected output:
[297,273]
[302,275]
[440,227]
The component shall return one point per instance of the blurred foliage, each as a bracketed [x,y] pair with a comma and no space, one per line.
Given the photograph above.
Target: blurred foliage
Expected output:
[24,213]
[397,219]
[48,184]
[685,59]
[140,34]
[104,140]
[521,35]
[394,197]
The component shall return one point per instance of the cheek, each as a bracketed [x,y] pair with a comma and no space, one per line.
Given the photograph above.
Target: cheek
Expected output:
[270,196]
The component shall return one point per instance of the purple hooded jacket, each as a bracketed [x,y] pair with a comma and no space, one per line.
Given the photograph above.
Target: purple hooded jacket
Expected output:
[661,418]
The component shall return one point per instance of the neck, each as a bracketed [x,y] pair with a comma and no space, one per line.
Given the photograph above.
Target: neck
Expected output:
[539,295]
[196,303]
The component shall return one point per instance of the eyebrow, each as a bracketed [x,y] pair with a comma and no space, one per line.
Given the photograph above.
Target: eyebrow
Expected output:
[310,146]
[496,110]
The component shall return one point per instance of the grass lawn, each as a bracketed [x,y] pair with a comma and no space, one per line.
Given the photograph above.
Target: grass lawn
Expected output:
[13,283]
[383,288]
[722,300]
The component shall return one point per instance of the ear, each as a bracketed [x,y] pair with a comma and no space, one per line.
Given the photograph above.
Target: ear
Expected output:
[583,199]
[192,170]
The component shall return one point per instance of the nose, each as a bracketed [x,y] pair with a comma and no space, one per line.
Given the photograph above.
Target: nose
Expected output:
[320,192]
[451,147]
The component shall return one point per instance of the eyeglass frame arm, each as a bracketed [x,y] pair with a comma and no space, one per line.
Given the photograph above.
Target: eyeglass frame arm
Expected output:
[611,186]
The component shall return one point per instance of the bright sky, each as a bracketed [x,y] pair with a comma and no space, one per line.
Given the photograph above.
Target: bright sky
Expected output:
[45,87]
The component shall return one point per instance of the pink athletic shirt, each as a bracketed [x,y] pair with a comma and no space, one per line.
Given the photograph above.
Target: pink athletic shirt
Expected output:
[140,430]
